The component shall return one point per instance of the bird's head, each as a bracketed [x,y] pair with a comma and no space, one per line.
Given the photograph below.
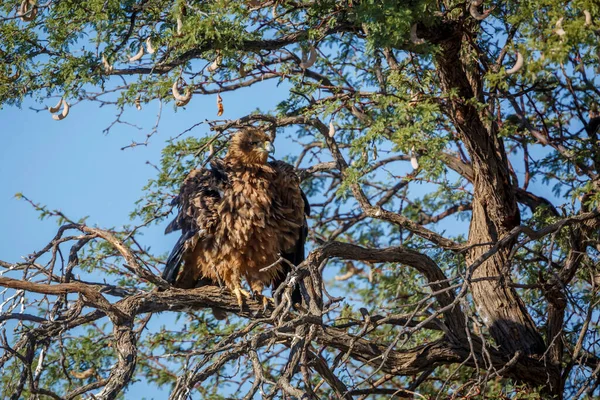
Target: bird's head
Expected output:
[250,147]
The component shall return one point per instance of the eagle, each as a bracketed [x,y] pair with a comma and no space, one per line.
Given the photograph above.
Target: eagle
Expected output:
[242,219]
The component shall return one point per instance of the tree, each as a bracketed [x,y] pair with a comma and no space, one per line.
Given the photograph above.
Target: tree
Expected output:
[490,104]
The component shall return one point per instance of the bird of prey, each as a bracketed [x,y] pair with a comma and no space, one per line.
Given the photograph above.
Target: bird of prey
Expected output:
[243,219]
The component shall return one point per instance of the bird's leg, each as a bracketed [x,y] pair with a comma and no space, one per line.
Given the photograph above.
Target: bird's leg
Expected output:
[257,289]
[239,294]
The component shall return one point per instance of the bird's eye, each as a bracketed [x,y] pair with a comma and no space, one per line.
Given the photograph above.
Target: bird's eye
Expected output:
[255,143]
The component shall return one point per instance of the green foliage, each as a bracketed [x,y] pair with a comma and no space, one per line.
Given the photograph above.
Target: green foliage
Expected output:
[390,107]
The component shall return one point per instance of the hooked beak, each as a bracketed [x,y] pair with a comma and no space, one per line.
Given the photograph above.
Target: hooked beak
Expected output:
[269,148]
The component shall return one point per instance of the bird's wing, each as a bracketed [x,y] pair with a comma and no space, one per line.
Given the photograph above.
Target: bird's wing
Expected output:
[293,203]
[197,201]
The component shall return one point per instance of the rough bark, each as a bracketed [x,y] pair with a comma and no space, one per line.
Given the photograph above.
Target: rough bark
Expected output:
[495,210]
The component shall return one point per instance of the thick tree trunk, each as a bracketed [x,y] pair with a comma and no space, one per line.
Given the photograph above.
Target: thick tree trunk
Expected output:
[495,210]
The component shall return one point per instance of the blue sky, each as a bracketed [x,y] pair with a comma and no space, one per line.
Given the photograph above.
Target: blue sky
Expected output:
[73,166]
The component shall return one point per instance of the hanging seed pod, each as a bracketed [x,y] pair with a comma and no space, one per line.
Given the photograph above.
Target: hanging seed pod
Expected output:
[211,150]
[518,64]
[137,55]
[179,26]
[107,67]
[215,64]
[28,10]
[359,114]
[149,47]
[275,16]
[181,100]
[54,109]
[220,107]
[242,70]
[308,61]
[138,103]
[413,158]
[474,10]
[331,132]
[84,374]
[413,35]
[14,76]
[588,18]
[559,30]
[181,103]
[64,113]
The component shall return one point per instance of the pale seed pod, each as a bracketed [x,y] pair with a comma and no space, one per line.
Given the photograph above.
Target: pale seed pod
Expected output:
[84,374]
[14,76]
[308,61]
[28,10]
[149,47]
[107,67]
[559,30]
[138,103]
[275,16]
[181,103]
[413,35]
[63,114]
[474,10]
[588,18]
[56,107]
[215,64]
[242,70]
[331,132]
[181,98]
[179,26]
[413,158]
[138,55]
[518,64]
[359,114]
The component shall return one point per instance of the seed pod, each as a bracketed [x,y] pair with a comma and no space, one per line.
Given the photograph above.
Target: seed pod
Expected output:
[149,47]
[220,107]
[588,18]
[413,158]
[331,129]
[179,26]
[181,98]
[14,76]
[215,64]
[308,61]
[275,16]
[181,103]
[138,55]
[359,114]
[559,30]
[242,70]
[138,103]
[413,35]
[518,65]
[474,10]
[56,107]
[28,10]
[63,115]
[84,374]
[107,67]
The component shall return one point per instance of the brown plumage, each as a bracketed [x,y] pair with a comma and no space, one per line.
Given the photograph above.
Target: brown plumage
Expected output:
[238,217]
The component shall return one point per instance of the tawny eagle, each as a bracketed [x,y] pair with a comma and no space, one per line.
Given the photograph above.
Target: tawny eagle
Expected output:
[237,218]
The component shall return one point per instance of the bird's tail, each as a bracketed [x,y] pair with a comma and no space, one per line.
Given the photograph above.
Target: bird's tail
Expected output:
[175,259]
